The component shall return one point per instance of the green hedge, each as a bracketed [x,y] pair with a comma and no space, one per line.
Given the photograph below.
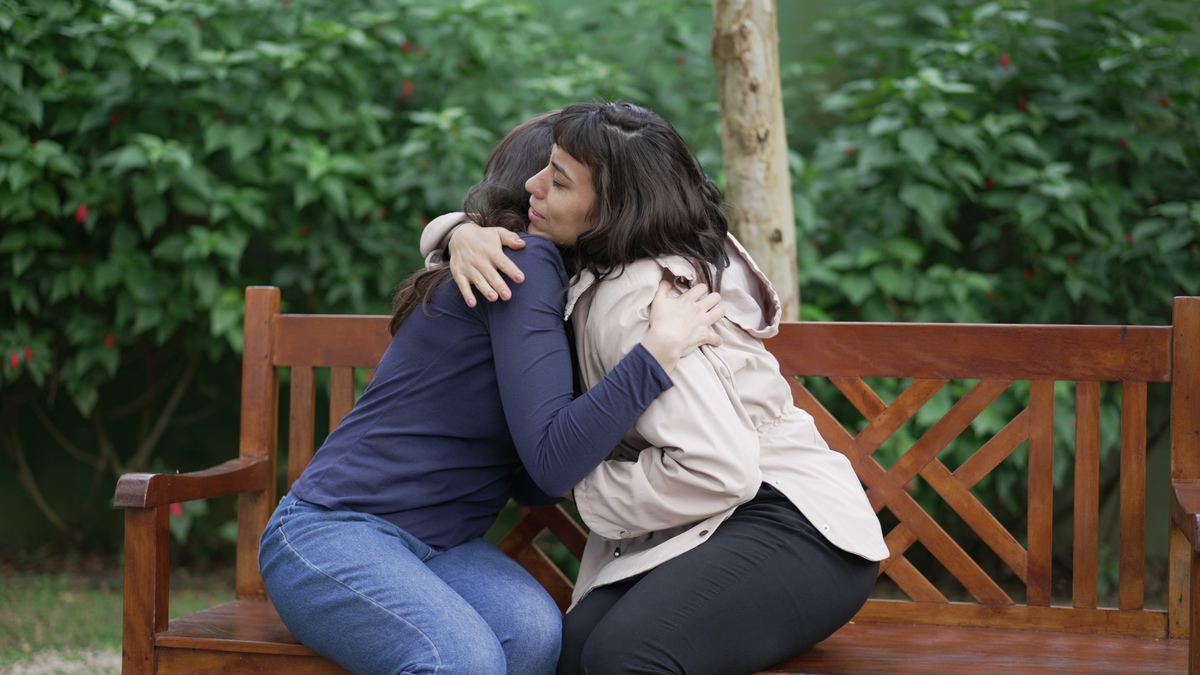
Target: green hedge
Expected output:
[157,156]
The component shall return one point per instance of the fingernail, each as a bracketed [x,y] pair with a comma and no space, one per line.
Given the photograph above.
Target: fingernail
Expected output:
[506,295]
[491,295]
[519,278]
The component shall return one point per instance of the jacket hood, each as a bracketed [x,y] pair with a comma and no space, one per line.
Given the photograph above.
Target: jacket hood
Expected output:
[750,301]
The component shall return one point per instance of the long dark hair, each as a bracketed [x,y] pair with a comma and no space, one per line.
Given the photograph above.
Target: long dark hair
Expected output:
[499,200]
[652,195]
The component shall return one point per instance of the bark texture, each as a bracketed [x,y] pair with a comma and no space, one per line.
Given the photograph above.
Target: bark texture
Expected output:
[758,182]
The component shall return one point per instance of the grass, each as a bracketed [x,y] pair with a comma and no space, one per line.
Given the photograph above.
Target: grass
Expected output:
[69,613]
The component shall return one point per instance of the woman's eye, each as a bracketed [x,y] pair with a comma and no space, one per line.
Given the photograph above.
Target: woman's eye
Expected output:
[556,183]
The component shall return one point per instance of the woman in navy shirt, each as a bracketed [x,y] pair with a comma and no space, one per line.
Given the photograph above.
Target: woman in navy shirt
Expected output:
[376,558]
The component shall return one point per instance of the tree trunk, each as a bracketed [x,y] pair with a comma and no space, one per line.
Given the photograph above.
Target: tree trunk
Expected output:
[758,182]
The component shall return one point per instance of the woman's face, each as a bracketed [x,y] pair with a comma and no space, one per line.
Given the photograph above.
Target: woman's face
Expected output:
[562,199]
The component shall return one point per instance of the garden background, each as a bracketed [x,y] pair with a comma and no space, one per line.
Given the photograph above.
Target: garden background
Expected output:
[957,161]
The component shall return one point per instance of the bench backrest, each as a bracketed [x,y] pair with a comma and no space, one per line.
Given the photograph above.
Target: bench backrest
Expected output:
[1031,362]
[926,357]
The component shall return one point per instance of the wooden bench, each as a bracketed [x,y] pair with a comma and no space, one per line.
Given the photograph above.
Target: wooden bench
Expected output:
[990,629]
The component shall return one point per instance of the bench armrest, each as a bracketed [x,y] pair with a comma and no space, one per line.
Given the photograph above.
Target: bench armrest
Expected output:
[145,490]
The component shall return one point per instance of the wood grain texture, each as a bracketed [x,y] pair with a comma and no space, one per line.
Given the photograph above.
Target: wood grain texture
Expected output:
[1132,580]
[146,587]
[1146,623]
[974,351]
[329,340]
[871,649]
[1086,557]
[302,415]
[1040,513]
[259,437]
[160,489]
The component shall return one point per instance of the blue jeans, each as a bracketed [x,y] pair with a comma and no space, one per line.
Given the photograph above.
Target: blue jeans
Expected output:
[368,595]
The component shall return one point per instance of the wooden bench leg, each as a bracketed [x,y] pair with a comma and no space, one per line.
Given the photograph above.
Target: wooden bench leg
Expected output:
[146,587]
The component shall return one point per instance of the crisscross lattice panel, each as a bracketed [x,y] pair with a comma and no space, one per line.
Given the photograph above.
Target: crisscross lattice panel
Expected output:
[1001,380]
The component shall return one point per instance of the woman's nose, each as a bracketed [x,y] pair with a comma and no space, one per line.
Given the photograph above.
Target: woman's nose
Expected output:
[535,184]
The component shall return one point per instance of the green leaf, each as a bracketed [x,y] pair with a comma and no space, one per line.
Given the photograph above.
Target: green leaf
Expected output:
[884,125]
[1031,208]
[142,50]
[931,206]
[918,143]
[20,175]
[151,215]
[11,73]
[124,159]
[32,103]
[23,260]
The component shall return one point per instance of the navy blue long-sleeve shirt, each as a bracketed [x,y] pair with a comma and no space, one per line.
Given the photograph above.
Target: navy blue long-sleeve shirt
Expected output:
[468,404]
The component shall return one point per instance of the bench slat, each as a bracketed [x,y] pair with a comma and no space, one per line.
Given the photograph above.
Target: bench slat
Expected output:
[870,649]
[1040,513]
[974,351]
[1132,579]
[301,419]
[1086,556]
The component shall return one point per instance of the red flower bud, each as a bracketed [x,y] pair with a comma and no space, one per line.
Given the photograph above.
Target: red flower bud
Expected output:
[198,21]
[681,59]
[407,91]
[84,258]
[110,341]
[81,213]
[29,354]
[1027,273]
[991,296]
[1164,102]
[1005,61]
[1070,261]
[177,510]
[1123,143]
[382,212]
[114,120]
[1023,105]
[406,47]
[1129,238]
[989,183]
[14,360]
[304,231]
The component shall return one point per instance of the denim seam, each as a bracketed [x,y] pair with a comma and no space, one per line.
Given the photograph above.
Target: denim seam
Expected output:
[366,597]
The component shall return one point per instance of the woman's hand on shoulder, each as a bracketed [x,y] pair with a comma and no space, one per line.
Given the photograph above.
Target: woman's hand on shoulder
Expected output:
[681,323]
[477,259]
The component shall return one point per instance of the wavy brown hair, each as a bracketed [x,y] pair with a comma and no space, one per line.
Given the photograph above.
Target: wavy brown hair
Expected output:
[499,200]
[652,195]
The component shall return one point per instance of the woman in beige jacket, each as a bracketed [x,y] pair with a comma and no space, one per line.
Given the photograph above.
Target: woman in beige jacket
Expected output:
[725,534]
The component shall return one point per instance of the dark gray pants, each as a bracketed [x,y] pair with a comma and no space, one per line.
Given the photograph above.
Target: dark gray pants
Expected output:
[767,585]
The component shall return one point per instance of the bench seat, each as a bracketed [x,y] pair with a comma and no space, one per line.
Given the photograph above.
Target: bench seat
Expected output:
[237,635]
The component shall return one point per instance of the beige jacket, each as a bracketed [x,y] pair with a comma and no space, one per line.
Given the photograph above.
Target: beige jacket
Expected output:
[707,444]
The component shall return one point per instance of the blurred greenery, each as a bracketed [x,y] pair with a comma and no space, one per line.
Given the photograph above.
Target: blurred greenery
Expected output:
[961,160]
[68,614]
[158,156]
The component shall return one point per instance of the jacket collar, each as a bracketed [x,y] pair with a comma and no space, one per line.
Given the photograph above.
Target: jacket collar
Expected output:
[750,301]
